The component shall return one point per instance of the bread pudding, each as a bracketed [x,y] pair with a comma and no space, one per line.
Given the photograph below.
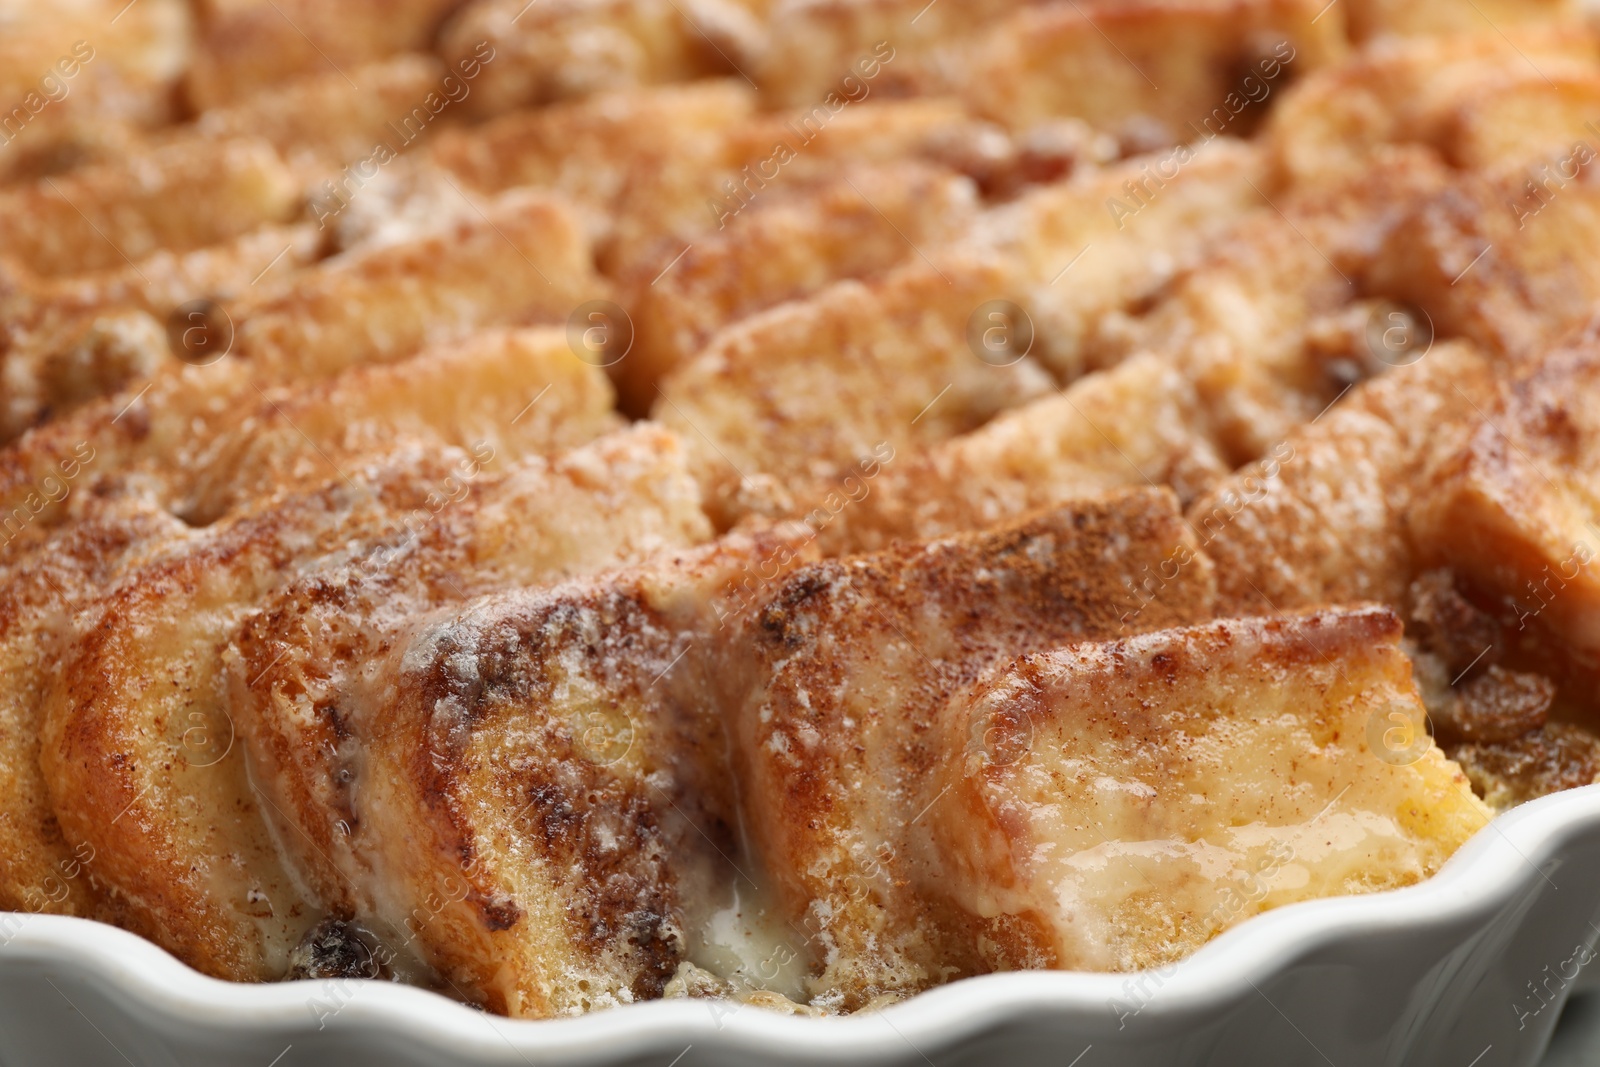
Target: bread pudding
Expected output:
[789,501]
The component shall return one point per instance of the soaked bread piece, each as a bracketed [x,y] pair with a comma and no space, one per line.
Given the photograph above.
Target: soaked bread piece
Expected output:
[51,585]
[1112,807]
[882,45]
[562,49]
[519,258]
[1480,99]
[176,198]
[1262,333]
[140,742]
[1451,520]
[669,201]
[546,863]
[83,81]
[256,261]
[1112,241]
[505,393]
[1138,424]
[523,259]
[1528,118]
[1512,509]
[656,167]
[1145,70]
[1269,324]
[139,751]
[653,167]
[991,351]
[1298,529]
[808,388]
[247,46]
[586,148]
[837,689]
[60,367]
[323,123]
[55,580]
[1168,70]
[784,247]
[75,338]
[870,130]
[919,343]
[47,590]
[1376,18]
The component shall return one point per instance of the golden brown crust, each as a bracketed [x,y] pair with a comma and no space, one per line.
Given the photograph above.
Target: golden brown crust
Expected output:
[302,662]
[521,257]
[82,83]
[570,48]
[1297,530]
[323,123]
[1256,334]
[909,352]
[76,338]
[1140,861]
[1512,509]
[506,394]
[1140,423]
[543,864]
[1375,18]
[839,680]
[1191,67]
[586,148]
[1504,264]
[139,752]
[1467,96]
[144,720]
[807,389]
[175,198]
[783,247]
[48,589]
[250,45]
[889,42]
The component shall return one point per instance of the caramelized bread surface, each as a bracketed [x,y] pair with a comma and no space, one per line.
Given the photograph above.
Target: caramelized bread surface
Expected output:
[1238,766]
[841,679]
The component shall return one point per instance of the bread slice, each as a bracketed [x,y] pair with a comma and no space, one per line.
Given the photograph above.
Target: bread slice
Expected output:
[1171,71]
[572,48]
[176,198]
[506,393]
[1112,807]
[808,389]
[1376,18]
[524,259]
[247,46]
[48,589]
[786,245]
[1261,333]
[1479,98]
[1514,508]
[523,790]
[836,687]
[140,745]
[75,338]
[1297,529]
[521,257]
[138,748]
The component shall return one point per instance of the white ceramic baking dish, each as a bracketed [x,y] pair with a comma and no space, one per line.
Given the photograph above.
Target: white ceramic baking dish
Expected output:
[1470,969]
